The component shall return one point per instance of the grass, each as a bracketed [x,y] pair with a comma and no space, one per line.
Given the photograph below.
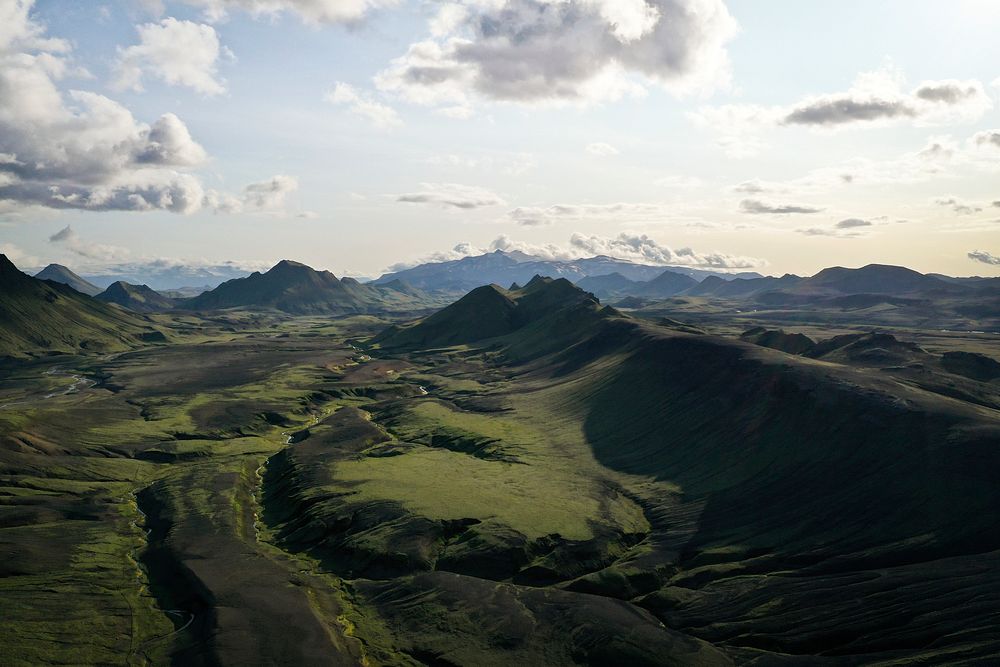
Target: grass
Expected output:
[567,510]
[441,484]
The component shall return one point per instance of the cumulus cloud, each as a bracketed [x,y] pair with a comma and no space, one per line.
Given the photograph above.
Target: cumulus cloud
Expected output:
[79,149]
[577,51]
[758,207]
[361,104]
[180,53]
[602,149]
[984,257]
[641,248]
[270,194]
[310,11]
[452,195]
[958,206]
[502,242]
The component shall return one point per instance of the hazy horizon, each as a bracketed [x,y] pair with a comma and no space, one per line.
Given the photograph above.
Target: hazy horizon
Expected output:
[361,136]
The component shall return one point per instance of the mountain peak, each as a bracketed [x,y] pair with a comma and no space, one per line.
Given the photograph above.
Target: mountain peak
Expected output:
[7,267]
[286,264]
[62,274]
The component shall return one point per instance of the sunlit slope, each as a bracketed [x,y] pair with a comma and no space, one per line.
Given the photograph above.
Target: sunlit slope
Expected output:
[43,317]
[138,298]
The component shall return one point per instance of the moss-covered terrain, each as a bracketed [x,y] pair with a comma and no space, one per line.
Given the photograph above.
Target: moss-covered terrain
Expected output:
[569,486]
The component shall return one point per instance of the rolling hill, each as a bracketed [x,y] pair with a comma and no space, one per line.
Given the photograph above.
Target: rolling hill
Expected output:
[61,274]
[40,317]
[297,289]
[139,298]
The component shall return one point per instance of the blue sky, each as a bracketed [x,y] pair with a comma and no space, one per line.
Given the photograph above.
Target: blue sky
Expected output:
[771,135]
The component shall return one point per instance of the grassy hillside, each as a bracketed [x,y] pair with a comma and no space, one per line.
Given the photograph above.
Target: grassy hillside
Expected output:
[42,317]
[138,298]
[777,488]
[490,312]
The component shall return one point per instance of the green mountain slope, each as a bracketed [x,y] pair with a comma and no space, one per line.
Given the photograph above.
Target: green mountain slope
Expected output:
[777,487]
[491,312]
[61,274]
[139,298]
[40,317]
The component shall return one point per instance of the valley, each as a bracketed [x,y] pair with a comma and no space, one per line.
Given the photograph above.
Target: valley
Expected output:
[526,476]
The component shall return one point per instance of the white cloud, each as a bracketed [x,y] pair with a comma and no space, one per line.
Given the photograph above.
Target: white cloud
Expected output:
[380,115]
[79,149]
[988,138]
[180,53]
[642,248]
[876,99]
[958,206]
[19,31]
[627,246]
[602,149]
[451,195]
[69,239]
[270,194]
[310,11]
[577,51]
[940,157]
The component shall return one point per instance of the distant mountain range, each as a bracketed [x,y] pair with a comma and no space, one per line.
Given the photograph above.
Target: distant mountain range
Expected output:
[297,289]
[168,276]
[506,268]
[835,281]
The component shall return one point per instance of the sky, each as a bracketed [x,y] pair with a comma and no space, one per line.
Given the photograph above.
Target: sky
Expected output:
[362,135]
